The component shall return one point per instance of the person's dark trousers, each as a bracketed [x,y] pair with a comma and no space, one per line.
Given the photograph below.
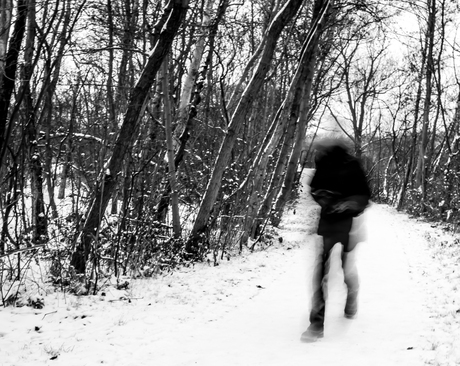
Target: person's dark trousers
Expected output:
[319,279]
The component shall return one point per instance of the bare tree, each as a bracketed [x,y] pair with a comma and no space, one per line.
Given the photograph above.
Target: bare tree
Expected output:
[286,168]
[167,28]
[192,94]
[201,222]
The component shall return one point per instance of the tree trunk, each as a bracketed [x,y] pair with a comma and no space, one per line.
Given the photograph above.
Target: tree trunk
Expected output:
[8,77]
[39,220]
[170,151]
[12,197]
[412,151]
[412,160]
[192,74]
[192,111]
[290,174]
[421,164]
[69,145]
[130,12]
[6,9]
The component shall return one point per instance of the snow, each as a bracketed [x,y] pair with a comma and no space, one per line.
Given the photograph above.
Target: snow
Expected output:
[252,309]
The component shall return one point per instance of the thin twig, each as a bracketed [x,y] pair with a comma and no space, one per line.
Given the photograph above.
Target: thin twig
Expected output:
[126,299]
[52,312]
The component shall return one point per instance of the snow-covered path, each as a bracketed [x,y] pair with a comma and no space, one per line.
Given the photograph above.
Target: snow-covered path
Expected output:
[248,311]
[266,331]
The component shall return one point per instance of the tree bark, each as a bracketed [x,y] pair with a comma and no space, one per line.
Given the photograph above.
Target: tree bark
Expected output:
[8,77]
[193,69]
[6,9]
[421,164]
[69,144]
[412,154]
[39,219]
[170,152]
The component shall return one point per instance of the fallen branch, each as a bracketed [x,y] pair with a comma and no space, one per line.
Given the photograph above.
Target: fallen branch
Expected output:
[22,250]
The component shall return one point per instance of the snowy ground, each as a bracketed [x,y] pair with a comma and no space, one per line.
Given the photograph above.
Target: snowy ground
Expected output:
[252,309]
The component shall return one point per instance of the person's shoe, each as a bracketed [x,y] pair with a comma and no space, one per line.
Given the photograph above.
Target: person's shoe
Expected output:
[350,315]
[311,335]
[351,306]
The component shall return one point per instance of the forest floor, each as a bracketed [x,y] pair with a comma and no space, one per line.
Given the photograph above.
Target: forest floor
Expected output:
[252,309]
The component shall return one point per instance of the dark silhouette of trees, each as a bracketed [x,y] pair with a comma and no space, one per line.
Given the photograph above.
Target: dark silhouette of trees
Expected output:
[113,160]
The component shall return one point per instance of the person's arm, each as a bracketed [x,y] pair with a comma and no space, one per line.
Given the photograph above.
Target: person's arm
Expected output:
[323,197]
[354,205]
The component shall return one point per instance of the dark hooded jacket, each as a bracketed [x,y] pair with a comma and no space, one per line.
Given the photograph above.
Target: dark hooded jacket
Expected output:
[339,178]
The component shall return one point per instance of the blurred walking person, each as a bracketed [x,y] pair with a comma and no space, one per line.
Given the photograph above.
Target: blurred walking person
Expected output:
[340,187]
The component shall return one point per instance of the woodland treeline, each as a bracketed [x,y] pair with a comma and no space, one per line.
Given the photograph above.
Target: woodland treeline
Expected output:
[136,135]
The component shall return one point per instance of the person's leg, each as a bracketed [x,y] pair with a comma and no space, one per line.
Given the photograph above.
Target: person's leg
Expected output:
[316,328]
[351,276]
